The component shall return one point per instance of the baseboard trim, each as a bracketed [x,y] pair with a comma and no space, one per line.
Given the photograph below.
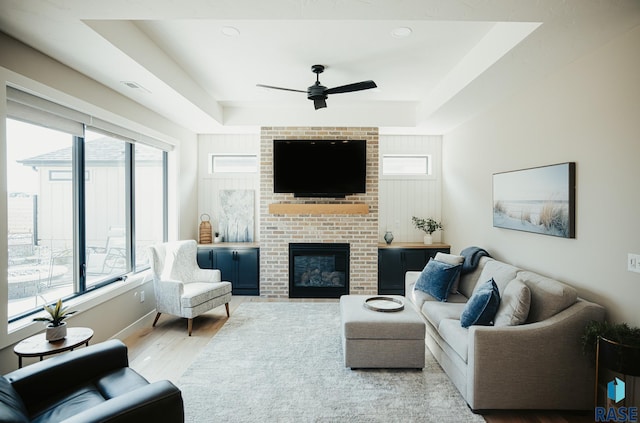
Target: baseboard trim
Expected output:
[144,321]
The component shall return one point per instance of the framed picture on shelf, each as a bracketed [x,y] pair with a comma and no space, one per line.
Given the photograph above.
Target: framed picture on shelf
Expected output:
[540,200]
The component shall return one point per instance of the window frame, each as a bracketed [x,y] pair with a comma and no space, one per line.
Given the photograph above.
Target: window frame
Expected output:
[212,167]
[406,176]
[78,178]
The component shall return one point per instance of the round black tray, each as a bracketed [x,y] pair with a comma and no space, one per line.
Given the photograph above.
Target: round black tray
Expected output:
[384,304]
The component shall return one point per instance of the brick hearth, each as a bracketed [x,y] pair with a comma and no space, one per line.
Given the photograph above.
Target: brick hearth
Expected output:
[278,230]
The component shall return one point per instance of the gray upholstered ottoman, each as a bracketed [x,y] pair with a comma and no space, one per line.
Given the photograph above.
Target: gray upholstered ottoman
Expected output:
[373,339]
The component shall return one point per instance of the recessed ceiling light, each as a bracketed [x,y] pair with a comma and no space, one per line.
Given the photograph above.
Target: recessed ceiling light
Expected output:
[401,32]
[230,31]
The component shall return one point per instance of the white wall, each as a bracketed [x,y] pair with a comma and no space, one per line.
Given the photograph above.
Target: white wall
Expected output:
[402,197]
[209,185]
[120,309]
[588,112]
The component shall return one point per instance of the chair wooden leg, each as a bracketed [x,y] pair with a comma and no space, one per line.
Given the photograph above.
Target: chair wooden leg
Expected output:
[190,326]
[226,305]
[156,319]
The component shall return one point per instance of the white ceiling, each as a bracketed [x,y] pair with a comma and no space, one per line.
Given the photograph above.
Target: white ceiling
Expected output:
[460,57]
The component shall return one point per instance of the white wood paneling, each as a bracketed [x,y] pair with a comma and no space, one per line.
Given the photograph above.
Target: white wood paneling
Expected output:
[209,185]
[403,197]
[400,197]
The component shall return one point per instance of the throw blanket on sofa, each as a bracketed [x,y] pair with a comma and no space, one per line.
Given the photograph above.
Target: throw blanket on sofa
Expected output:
[472,256]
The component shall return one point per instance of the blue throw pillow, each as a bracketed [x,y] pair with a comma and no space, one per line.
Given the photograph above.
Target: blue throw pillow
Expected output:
[436,279]
[482,306]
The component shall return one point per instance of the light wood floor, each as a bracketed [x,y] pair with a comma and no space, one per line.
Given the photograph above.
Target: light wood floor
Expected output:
[165,352]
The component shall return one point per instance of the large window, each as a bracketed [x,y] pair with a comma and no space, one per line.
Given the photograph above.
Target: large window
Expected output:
[40,216]
[148,200]
[68,234]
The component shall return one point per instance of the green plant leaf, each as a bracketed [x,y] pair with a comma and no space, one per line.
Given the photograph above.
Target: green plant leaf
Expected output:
[57,314]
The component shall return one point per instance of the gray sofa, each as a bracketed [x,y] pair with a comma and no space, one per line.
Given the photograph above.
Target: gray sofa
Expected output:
[537,364]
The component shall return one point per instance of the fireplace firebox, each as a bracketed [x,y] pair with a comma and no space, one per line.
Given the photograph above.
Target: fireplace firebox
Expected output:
[318,270]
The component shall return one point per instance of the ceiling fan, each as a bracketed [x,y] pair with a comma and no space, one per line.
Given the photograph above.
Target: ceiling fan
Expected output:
[318,92]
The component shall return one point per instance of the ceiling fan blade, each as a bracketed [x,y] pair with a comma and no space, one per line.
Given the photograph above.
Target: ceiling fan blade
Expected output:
[358,86]
[279,88]
[319,103]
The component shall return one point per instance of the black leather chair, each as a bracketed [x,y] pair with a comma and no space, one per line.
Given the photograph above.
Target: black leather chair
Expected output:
[92,384]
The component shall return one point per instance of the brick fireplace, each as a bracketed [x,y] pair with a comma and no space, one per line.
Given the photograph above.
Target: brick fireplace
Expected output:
[277,231]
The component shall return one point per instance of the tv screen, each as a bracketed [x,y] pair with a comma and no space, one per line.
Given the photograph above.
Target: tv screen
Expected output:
[319,168]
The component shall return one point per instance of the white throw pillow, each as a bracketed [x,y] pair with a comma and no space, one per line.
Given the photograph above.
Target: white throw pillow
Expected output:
[514,305]
[451,259]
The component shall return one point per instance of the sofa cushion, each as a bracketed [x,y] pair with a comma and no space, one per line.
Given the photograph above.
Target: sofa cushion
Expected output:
[502,273]
[196,293]
[436,279]
[548,296]
[435,311]
[451,259]
[418,298]
[514,305]
[12,409]
[456,336]
[70,404]
[482,306]
[468,281]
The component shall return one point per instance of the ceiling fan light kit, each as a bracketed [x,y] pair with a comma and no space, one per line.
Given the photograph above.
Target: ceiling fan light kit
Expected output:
[318,92]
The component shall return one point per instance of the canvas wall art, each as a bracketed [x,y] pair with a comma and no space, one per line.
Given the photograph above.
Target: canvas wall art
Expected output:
[540,200]
[237,215]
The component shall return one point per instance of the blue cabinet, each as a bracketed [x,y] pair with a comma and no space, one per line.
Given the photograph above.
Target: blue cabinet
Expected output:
[396,259]
[237,264]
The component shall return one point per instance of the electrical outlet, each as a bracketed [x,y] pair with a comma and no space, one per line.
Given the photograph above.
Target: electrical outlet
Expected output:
[633,262]
[142,296]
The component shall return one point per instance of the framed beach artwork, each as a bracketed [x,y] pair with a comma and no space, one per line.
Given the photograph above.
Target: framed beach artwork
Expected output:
[540,200]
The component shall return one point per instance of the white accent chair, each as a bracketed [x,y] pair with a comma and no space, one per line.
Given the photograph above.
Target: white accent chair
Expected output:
[181,287]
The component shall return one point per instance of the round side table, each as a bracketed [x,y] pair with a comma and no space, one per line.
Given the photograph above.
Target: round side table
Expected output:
[38,346]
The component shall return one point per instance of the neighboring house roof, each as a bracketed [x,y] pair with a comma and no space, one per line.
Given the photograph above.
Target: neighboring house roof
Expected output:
[98,152]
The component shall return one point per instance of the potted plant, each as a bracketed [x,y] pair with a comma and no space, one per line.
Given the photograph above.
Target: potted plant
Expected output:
[57,327]
[615,345]
[429,226]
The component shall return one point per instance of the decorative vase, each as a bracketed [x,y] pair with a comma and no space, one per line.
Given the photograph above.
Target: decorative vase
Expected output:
[388,237]
[56,333]
[217,239]
[428,239]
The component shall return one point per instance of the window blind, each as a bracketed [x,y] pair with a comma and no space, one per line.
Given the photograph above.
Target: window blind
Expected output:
[39,111]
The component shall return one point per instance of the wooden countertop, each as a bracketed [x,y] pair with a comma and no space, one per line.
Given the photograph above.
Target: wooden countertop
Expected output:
[231,245]
[413,245]
[380,245]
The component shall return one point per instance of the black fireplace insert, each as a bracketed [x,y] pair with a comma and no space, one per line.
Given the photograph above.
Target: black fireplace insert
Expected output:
[318,270]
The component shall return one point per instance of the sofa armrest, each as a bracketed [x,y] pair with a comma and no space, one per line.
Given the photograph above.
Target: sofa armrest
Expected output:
[34,382]
[168,294]
[410,279]
[157,402]
[207,275]
[543,363]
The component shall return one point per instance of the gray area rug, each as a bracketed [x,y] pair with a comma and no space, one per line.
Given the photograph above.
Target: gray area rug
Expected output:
[283,362]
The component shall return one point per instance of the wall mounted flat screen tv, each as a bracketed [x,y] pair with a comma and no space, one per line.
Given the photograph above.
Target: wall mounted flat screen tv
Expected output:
[320,168]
